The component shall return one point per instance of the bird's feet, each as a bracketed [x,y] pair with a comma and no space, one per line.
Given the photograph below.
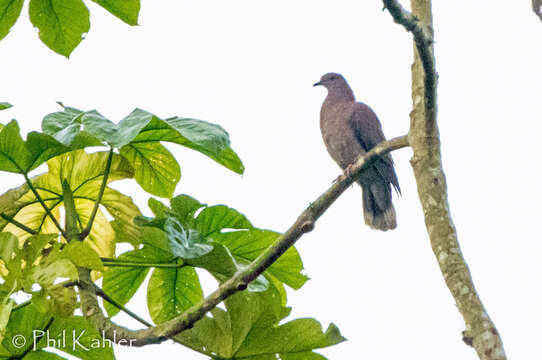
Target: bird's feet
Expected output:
[346,173]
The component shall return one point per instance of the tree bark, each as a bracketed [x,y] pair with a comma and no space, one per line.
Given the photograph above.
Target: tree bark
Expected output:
[480,332]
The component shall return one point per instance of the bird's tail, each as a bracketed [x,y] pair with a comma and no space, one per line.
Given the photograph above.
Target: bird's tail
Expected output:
[378,210]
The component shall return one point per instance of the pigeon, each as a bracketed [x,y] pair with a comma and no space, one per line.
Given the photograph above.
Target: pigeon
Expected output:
[350,129]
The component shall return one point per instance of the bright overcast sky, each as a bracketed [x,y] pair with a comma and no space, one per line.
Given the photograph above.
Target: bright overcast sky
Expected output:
[249,66]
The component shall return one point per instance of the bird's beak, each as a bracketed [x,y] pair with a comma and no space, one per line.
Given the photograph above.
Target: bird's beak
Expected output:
[317,84]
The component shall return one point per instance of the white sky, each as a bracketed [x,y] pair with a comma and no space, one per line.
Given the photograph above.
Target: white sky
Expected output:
[249,66]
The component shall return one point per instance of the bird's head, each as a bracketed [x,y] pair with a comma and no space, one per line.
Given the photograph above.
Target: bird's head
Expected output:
[331,80]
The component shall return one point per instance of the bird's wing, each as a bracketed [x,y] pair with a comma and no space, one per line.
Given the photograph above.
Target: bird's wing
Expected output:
[368,132]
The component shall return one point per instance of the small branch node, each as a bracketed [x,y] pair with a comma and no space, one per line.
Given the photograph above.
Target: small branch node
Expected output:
[307,226]
[242,286]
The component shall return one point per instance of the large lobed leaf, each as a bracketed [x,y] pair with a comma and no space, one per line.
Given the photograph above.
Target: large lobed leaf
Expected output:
[21,157]
[84,173]
[138,138]
[220,240]
[249,330]
[122,282]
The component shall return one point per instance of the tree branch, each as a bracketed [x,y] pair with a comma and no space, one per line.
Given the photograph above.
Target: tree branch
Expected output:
[426,162]
[423,41]
[304,223]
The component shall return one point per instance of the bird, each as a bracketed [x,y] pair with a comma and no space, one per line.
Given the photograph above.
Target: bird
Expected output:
[350,129]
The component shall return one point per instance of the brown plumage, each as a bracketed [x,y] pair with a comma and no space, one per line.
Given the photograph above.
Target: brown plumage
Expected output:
[349,129]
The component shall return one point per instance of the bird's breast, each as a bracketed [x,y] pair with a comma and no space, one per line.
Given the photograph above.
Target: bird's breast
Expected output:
[338,135]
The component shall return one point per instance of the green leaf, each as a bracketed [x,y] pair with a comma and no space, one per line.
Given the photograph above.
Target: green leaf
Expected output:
[63,300]
[126,10]
[14,156]
[82,255]
[22,324]
[5,311]
[184,207]
[209,139]
[302,335]
[43,147]
[97,125]
[81,339]
[42,355]
[245,246]
[218,262]
[46,274]
[156,169]
[84,174]
[185,243]
[158,208]
[4,4]
[66,127]
[34,245]
[9,250]
[122,282]
[18,156]
[249,330]
[61,23]
[9,13]
[123,209]
[214,225]
[10,204]
[213,219]
[171,291]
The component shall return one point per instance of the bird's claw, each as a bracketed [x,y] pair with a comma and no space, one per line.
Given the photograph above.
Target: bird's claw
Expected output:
[346,173]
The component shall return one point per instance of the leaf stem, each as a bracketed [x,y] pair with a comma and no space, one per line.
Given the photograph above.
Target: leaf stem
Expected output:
[21,226]
[86,230]
[45,207]
[106,297]
[72,226]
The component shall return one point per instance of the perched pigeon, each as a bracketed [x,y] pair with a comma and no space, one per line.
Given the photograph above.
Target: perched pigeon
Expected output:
[349,129]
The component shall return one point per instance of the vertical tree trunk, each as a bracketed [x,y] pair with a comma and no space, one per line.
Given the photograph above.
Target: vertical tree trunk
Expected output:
[480,332]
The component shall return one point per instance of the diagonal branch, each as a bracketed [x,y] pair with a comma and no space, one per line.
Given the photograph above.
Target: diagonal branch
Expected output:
[426,162]
[304,223]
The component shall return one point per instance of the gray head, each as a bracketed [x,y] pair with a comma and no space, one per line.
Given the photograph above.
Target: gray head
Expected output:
[335,84]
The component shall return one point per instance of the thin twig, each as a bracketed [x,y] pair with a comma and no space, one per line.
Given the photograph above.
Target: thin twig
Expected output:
[99,291]
[423,39]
